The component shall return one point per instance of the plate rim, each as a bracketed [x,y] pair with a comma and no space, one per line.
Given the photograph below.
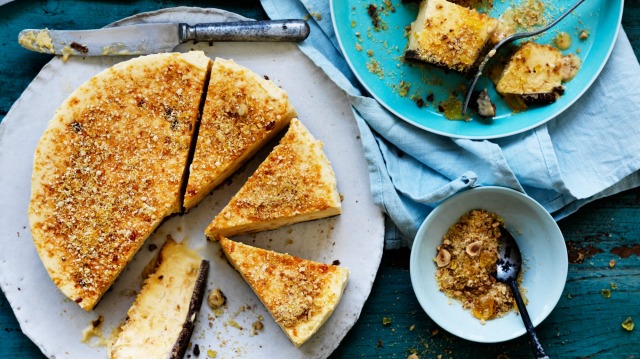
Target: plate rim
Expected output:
[477,137]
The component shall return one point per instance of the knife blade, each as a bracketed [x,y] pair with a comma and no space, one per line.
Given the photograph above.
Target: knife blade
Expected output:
[153,38]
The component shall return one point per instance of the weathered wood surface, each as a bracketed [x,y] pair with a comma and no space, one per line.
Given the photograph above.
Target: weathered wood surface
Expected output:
[584,324]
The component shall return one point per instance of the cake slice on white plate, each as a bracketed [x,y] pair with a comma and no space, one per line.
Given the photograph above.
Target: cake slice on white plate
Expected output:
[294,183]
[300,294]
[161,320]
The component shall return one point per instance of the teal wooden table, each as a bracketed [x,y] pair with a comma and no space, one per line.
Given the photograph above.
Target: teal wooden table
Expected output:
[585,324]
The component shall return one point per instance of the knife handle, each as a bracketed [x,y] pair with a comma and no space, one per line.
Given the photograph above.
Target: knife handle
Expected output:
[266,30]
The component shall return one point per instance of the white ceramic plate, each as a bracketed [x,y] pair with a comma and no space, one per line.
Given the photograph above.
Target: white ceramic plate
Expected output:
[355,238]
[543,251]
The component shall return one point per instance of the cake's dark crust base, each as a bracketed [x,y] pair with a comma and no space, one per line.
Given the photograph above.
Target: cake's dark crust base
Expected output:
[543,98]
[412,56]
[180,347]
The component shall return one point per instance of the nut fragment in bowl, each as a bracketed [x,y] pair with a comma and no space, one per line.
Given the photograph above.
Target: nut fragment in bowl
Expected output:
[543,250]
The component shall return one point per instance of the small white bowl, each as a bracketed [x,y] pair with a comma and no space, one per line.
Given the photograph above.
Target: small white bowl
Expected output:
[544,257]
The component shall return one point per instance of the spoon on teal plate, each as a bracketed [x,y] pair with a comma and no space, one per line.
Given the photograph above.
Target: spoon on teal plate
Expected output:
[508,266]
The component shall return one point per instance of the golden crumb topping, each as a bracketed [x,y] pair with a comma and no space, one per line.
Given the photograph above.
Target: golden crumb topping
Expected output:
[295,179]
[449,35]
[242,112]
[466,260]
[109,169]
[293,289]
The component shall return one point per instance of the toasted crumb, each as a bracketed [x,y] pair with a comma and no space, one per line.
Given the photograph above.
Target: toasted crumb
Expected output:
[216,299]
[584,35]
[212,353]
[257,325]
[628,324]
[413,356]
[606,293]
[612,263]
[386,321]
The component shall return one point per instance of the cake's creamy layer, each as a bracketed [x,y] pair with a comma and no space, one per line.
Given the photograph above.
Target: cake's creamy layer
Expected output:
[294,183]
[110,167]
[161,319]
[300,294]
[537,69]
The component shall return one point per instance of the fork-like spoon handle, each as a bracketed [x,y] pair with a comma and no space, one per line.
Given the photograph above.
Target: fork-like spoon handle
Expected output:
[538,350]
[507,40]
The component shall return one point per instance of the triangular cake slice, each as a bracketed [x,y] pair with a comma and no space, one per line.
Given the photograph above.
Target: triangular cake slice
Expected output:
[300,294]
[242,112]
[110,167]
[161,320]
[295,183]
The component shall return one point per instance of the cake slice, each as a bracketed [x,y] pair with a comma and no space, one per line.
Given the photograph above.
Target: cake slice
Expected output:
[110,167]
[160,321]
[295,183]
[535,73]
[242,112]
[300,294]
[449,35]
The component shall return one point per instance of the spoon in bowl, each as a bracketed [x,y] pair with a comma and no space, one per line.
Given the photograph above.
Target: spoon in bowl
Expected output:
[508,40]
[508,267]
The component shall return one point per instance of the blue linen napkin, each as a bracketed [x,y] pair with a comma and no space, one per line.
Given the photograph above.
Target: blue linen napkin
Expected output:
[592,150]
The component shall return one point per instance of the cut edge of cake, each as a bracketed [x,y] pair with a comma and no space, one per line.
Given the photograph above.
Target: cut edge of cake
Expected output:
[176,266]
[267,107]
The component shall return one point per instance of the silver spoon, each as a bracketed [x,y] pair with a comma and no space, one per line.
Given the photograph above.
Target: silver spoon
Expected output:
[508,40]
[508,266]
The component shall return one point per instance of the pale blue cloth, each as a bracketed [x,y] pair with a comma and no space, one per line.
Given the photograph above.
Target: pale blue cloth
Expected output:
[590,151]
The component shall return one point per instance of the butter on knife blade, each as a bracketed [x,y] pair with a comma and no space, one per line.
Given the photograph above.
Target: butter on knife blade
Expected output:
[151,38]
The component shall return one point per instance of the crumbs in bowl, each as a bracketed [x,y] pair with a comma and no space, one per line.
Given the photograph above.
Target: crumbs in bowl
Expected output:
[466,261]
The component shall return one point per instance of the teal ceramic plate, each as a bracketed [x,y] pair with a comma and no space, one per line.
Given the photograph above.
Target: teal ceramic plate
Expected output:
[376,59]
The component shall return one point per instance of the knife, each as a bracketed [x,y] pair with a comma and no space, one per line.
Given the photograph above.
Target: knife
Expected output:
[156,37]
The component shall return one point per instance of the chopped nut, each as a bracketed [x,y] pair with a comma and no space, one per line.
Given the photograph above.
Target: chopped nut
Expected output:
[473,249]
[606,293]
[216,299]
[628,324]
[584,35]
[257,325]
[413,356]
[443,257]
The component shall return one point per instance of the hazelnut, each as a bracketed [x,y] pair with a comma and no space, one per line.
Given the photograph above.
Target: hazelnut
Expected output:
[443,257]
[216,299]
[584,35]
[242,109]
[473,249]
[257,325]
